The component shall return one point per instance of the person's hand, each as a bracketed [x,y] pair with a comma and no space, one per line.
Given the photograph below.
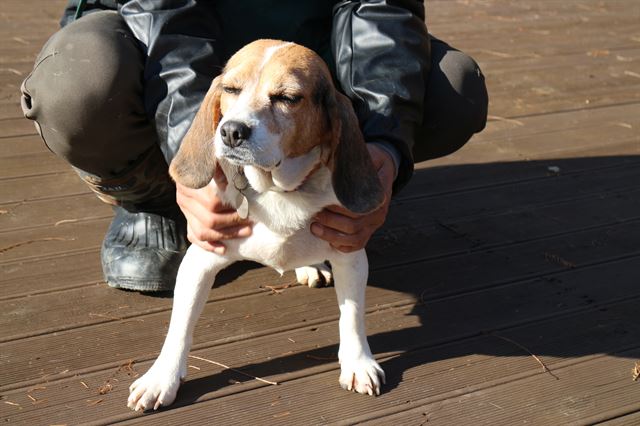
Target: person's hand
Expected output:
[347,231]
[209,221]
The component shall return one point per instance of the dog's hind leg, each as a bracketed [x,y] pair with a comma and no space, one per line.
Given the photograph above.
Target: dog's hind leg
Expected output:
[195,277]
[359,370]
[318,275]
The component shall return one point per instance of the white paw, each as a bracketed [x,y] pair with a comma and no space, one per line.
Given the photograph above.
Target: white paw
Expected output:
[158,387]
[362,375]
[318,275]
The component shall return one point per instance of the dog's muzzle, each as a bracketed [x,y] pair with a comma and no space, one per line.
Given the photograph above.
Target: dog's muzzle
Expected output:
[234,133]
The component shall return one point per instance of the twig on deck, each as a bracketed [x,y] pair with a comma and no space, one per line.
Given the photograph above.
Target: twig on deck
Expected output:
[105,388]
[37,240]
[233,369]
[513,342]
[277,289]
[128,368]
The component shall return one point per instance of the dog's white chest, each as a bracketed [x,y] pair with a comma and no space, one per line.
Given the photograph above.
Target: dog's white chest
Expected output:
[283,253]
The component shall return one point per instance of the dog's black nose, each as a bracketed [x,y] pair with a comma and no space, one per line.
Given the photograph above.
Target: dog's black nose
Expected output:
[234,133]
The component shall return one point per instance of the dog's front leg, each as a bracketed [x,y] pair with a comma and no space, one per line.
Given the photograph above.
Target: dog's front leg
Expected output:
[359,370]
[195,277]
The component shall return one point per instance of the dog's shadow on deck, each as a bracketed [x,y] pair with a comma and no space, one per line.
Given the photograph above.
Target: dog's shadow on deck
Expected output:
[498,259]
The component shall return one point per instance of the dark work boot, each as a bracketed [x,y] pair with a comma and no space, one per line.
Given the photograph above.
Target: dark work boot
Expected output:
[142,251]
[146,240]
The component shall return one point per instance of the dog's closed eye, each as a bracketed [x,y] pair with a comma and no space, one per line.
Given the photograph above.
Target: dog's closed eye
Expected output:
[232,90]
[285,99]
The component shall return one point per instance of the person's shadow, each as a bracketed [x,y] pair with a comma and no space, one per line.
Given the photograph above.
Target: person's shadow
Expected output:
[507,259]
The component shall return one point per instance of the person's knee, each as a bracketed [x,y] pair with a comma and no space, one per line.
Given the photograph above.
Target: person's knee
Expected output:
[455,104]
[467,106]
[84,78]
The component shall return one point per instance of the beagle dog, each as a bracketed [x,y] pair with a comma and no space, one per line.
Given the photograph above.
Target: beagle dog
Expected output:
[289,144]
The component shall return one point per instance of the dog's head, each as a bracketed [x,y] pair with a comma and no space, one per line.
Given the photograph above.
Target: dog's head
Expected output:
[274,111]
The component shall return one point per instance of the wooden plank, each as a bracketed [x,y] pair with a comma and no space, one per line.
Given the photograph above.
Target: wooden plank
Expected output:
[22,145]
[444,277]
[60,210]
[626,420]
[404,245]
[443,179]
[14,9]
[435,374]
[50,274]
[19,190]
[501,265]
[15,127]
[514,195]
[39,243]
[10,109]
[396,331]
[537,93]
[600,67]
[597,388]
[96,303]
[31,165]
[526,29]
[536,40]
[545,137]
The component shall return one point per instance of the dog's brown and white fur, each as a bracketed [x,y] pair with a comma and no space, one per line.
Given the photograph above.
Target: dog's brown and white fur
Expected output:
[304,151]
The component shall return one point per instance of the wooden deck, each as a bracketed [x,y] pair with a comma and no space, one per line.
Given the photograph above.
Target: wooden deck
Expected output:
[521,249]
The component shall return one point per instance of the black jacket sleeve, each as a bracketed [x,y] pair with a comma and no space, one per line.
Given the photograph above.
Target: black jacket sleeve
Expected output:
[382,55]
[179,38]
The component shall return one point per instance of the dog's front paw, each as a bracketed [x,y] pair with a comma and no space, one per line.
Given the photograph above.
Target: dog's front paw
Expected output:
[158,387]
[362,375]
[318,275]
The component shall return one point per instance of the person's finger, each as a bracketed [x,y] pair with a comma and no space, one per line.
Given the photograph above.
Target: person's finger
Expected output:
[204,233]
[346,249]
[337,238]
[339,222]
[215,246]
[216,220]
[343,211]
[207,197]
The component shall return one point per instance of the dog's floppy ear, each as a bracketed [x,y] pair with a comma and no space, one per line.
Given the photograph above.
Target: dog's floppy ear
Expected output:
[355,180]
[194,164]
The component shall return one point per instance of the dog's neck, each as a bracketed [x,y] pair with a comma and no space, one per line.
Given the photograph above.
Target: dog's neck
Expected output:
[241,182]
[289,176]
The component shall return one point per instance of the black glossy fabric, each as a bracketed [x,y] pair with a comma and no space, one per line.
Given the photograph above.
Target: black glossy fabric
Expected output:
[382,54]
